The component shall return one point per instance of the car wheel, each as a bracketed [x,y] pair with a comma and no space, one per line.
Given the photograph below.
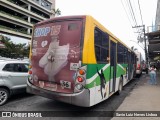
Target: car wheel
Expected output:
[4,95]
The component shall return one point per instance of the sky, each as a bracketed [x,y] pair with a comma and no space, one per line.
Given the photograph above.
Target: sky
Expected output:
[17,40]
[111,14]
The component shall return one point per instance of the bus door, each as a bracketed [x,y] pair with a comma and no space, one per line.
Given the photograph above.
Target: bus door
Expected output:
[113,58]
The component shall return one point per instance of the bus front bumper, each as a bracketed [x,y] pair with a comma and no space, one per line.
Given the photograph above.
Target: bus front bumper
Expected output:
[79,99]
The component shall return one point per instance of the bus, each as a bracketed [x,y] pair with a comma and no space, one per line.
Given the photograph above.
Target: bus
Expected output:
[76,60]
[141,64]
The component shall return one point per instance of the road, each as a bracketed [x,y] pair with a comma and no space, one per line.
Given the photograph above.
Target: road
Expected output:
[28,102]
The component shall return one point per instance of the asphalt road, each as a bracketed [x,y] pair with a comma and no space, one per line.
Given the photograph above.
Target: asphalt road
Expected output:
[28,102]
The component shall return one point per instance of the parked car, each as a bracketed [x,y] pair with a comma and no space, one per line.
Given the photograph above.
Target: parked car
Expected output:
[13,78]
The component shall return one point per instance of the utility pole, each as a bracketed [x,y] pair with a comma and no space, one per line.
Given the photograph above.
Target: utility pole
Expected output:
[145,46]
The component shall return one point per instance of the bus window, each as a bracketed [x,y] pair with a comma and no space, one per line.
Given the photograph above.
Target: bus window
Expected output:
[72,26]
[104,53]
[120,53]
[101,40]
[125,55]
[97,37]
[97,53]
[105,47]
[105,40]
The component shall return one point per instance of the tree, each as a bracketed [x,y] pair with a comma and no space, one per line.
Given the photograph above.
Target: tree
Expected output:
[6,52]
[12,50]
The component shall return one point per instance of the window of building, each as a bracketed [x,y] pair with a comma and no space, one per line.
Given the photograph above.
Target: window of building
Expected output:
[43,4]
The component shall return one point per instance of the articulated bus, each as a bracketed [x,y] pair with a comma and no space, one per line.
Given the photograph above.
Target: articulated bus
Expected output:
[74,59]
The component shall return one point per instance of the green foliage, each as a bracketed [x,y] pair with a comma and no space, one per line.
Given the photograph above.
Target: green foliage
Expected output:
[12,50]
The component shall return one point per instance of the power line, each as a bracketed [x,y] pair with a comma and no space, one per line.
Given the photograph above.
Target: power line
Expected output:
[140,11]
[136,13]
[126,13]
[132,15]
[132,12]
[129,12]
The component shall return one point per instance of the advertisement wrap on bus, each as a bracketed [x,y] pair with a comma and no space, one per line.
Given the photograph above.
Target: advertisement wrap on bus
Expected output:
[56,55]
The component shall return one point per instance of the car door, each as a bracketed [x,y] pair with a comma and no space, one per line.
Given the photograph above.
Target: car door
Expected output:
[16,75]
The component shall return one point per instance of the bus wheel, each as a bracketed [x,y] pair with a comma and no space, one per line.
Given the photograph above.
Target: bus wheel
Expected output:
[120,87]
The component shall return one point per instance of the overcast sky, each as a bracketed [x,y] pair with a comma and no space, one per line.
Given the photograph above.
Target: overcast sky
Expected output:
[111,14]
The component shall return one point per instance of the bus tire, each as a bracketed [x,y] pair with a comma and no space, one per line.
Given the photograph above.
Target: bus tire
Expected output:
[120,86]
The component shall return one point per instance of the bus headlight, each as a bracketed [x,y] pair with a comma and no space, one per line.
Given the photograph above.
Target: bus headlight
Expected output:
[79,87]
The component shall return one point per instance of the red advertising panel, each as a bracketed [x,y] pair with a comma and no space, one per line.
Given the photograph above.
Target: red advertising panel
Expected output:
[56,54]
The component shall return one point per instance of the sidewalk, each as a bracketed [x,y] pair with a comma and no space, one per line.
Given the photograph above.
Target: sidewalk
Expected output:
[144,97]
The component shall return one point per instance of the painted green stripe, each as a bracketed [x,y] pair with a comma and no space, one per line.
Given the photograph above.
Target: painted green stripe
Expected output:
[92,70]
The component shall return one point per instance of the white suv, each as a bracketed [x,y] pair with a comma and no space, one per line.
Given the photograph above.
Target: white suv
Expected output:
[13,78]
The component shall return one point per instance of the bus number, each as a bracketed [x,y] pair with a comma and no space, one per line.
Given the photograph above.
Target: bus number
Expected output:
[65,84]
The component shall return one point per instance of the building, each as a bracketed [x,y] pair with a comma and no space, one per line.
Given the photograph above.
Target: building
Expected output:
[18,16]
[153,34]
[157,22]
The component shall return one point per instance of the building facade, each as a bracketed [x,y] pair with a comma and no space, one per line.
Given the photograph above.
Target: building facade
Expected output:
[18,16]
[153,34]
[157,22]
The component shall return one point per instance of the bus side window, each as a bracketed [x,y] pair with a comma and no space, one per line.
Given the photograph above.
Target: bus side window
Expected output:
[97,49]
[120,53]
[105,48]
[101,42]
[125,55]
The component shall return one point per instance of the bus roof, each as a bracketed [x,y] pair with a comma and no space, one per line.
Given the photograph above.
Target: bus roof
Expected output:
[62,18]
[83,17]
